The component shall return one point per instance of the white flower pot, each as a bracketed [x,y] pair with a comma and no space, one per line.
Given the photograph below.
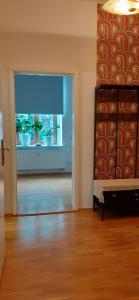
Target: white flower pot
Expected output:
[48,140]
[17,138]
[25,139]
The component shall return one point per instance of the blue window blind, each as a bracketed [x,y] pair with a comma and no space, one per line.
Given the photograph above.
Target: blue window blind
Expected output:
[38,94]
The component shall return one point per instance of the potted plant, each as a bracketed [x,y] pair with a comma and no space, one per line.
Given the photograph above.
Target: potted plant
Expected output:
[25,132]
[18,129]
[48,135]
[37,126]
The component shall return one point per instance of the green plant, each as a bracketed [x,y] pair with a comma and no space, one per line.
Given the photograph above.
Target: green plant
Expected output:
[18,124]
[26,124]
[37,126]
[49,132]
[23,125]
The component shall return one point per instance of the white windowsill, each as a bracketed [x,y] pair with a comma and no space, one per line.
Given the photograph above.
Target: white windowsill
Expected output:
[38,148]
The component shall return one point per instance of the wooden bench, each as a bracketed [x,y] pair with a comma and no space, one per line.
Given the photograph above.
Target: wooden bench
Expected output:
[115,187]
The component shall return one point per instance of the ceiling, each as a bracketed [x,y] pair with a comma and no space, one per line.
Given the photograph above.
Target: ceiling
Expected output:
[68,17]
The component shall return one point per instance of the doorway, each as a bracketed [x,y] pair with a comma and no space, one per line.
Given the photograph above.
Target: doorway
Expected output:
[46,173]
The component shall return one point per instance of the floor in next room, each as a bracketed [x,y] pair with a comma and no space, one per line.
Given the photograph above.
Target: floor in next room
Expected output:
[44,194]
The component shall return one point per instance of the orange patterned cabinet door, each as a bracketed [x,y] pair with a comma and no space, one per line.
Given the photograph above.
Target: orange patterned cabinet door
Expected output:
[137,162]
[126,149]
[117,132]
[106,101]
[105,150]
[104,107]
[128,101]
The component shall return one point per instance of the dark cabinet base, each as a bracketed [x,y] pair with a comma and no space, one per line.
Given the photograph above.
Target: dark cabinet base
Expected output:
[120,202]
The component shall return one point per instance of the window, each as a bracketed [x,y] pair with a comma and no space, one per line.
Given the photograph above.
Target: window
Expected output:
[43,129]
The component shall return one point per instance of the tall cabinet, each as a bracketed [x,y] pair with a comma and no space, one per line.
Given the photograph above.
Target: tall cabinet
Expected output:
[116,132]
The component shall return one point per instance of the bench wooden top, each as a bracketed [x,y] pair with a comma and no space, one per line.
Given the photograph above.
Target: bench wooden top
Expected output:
[113,185]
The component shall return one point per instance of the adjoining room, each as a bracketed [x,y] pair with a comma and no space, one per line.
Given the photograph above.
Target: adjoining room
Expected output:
[43,106]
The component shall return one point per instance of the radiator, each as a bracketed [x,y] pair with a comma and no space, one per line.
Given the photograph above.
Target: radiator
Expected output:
[40,159]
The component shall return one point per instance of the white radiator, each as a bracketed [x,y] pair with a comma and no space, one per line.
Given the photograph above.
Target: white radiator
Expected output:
[40,159]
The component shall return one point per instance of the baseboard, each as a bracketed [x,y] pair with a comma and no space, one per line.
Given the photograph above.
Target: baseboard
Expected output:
[43,214]
[45,174]
[7,215]
[89,208]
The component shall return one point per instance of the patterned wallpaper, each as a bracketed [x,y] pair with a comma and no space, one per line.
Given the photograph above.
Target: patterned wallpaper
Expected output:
[117,48]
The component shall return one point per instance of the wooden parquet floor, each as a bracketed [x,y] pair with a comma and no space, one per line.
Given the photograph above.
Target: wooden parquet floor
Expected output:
[44,194]
[71,256]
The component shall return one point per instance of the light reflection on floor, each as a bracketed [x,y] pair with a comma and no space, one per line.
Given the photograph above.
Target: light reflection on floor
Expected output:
[41,228]
[44,194]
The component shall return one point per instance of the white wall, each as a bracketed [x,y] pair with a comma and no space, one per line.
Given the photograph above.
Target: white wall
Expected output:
[67,121]
[56,51]
[87,136]
[2,229]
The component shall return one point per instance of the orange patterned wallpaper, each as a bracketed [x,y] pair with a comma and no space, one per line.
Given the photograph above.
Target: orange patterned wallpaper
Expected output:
[117,49]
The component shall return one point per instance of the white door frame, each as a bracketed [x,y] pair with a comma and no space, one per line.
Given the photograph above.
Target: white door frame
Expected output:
[75,148]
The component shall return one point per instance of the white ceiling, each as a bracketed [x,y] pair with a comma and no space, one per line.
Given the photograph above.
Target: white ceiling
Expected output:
[68,17]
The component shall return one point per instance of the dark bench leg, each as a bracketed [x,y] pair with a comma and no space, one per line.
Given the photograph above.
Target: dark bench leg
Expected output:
[101,211]
[94,203]
[101,208]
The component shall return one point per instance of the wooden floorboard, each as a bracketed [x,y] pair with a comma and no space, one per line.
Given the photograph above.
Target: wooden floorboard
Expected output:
[44,194]
[71,256]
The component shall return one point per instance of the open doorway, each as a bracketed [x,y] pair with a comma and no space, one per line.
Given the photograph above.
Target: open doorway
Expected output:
[44,138]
